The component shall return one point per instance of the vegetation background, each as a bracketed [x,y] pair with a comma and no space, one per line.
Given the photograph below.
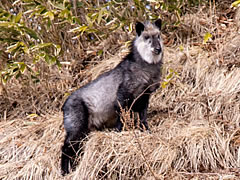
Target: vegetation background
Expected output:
[50,48]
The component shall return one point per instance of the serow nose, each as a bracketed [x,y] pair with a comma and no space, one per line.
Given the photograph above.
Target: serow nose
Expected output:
[157,51]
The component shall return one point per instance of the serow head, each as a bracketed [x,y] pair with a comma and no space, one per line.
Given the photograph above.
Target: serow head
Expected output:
[149,41]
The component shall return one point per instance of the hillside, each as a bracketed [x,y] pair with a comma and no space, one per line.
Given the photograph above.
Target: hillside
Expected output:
[194,116]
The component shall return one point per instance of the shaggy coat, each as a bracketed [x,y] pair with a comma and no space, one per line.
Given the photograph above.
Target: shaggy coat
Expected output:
[130,84]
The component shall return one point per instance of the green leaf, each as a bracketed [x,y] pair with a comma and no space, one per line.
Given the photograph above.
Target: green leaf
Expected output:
[41,9]
[57,5]
[49,15]
[207,36]
[12,47]
[30,32]
[89,21]
[100,15]
[235,3]
[53,59]
[40,46]
[17,47]
[18,17]
[181,47]
[47,59]
[18,74]
[22,66]
[36,59]
[76,20]
[58,49]
[100,52]
[130,27]
[80,29]
[164,84]
[58,63]
[66,94]
[64,13]
[32,116]
[6,24]
[25,49]
[4,79]
[49,23]
[169,76]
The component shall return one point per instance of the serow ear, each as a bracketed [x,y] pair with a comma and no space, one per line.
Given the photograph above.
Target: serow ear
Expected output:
[158,23]
[139,28]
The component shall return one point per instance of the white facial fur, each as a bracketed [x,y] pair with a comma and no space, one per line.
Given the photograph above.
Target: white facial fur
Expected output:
[145,48]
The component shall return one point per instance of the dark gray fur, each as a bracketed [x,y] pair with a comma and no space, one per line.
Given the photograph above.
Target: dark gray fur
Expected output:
[96,105]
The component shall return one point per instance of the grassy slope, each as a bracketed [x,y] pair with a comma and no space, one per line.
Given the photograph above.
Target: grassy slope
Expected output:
[194,120]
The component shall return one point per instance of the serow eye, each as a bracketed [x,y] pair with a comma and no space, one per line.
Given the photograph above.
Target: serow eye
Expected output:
[146,37]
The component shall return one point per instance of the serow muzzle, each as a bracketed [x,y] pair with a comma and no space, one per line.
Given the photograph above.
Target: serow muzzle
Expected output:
[157,50]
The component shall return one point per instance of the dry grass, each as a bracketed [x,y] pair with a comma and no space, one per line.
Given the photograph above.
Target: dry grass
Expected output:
[30,148]
[195,120]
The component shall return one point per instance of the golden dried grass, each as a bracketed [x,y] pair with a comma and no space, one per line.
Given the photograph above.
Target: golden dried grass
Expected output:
[29,148]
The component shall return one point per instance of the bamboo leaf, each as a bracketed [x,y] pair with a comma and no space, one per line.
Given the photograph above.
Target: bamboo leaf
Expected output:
[100,15]
[164,84]
[15,47]
[58,63]
[169,76]
[30,32]
[58,49]
[235,3]
[206,38]
[80,29]
[6,24]
[32,116]
[130,27]
[181,47]
[47,59]
[22,66]
[49,15]
[18,74]
[40,46]
[89,21]
[57,5]
[18,17]
[83,29]
[53,59]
